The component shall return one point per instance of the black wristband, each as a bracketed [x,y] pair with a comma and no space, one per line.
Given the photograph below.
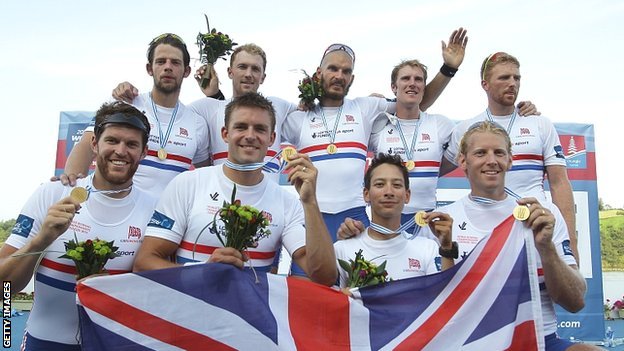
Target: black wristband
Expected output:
[453,252]
[448,71]
[218,96]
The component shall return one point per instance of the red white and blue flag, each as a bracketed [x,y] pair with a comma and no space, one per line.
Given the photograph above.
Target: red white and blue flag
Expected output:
[489,301]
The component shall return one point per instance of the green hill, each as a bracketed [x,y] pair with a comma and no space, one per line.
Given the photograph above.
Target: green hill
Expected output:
[612,239]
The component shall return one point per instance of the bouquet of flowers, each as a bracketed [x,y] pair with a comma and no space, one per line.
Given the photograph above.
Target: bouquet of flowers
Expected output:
[310,89]
[244,224]
[363,272]
[90,256]
[212,46]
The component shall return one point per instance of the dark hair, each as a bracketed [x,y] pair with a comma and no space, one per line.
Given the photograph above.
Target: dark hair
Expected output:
[119,112]
[169,39]
[250,100]
[381,159]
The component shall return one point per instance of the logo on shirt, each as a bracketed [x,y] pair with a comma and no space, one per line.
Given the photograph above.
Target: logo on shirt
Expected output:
[565,245]
[159,220]
[559,151]
[214,196]
[23,226]
[183,132]
[390,131]
[462,226]
[350,119]
[413,263]
[268,216]
[425,137]
[134,232]
[525,131]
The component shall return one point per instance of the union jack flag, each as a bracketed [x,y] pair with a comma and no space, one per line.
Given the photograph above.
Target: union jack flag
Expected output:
[489,301]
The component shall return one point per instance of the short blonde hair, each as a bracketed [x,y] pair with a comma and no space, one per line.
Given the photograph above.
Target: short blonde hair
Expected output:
[252,49]
[412,63]
[495,59]
[484,127]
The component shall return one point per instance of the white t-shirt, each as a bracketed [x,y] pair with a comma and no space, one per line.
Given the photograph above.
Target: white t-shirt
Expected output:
[434,133]
[54,316]
[213,111]
[534,145]
[404,258]
[340,176]
[189,204]
[188,144]
[473,221]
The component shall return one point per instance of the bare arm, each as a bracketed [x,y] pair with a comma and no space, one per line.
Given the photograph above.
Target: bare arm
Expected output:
[20,269]
[317,258]
[441,225]
[154,253]
[561,191]
[564,283]
[453,55]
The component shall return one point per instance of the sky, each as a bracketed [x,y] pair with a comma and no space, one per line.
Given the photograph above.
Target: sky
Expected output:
[69,55]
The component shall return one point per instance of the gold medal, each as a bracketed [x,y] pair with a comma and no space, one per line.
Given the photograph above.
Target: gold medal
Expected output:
[79,194]
[521,213]
[409,165]
[287,152]
[419,218]
[332,149]
[162,154]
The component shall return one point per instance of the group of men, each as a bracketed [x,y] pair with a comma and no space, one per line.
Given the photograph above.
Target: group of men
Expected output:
[144,148]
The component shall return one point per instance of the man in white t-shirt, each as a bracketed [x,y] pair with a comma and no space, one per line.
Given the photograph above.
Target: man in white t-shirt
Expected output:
[247,72]
[179,138]
[536,147]
[193,199]
[485,156]
[114,210]
[386,188]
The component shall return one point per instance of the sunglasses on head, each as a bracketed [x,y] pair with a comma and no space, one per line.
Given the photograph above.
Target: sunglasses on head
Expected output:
[164,36]
[340,47]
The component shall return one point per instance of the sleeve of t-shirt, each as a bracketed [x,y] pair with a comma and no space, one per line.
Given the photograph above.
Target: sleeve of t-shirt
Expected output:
[452,150]
[202,153]
[169,220]
[31,217]
[294,233]
[291,129]
[553,152]
[560,238]
[339,250]
[445,130]
[431,254]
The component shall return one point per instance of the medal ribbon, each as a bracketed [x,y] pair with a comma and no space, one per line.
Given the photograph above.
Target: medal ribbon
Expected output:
[408,151]
[511,121]
[402,229]
[90,189]
[248,167]
[163,140]
[487,201]
[332,135]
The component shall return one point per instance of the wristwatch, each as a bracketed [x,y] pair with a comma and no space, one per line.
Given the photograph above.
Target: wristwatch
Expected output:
[453,252]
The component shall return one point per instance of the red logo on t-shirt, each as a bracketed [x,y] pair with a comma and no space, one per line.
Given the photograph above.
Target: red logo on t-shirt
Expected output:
[134,232]
[414,263]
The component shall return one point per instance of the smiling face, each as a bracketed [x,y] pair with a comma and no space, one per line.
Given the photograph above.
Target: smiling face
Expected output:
[409,86]
[388,193]
[247,73]
[118,150]
[249,133]
[485,159]
[168,69]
